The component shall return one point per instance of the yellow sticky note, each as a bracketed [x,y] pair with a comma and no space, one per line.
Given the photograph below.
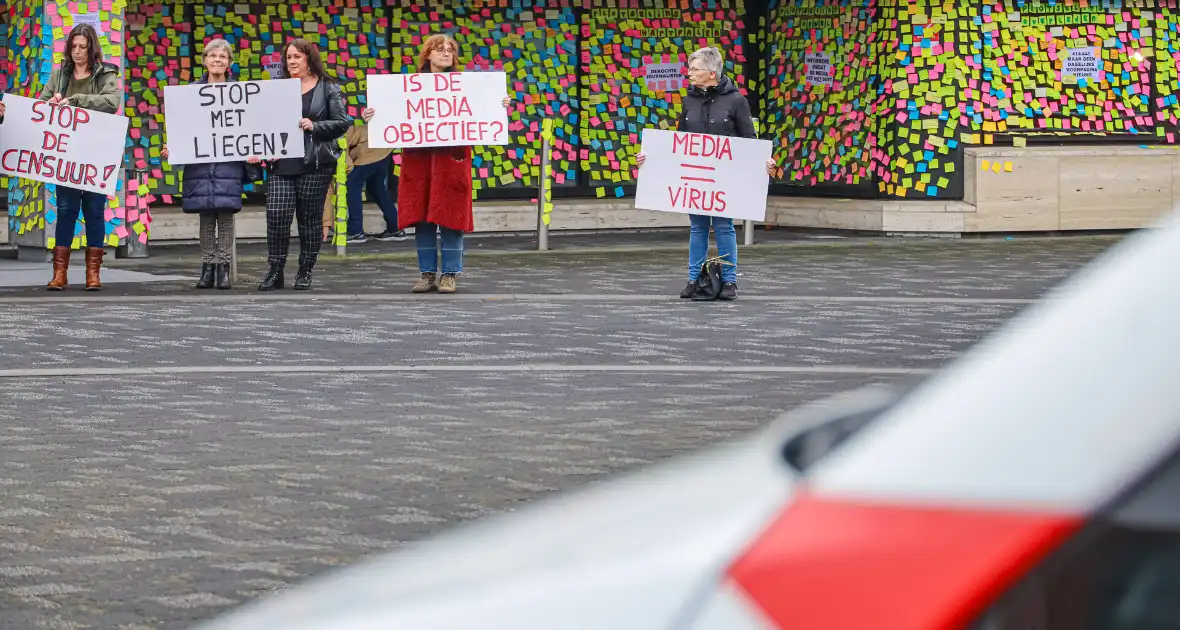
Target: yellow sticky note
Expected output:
[1020,141]
[1007,167]
[995,167]
[985,165]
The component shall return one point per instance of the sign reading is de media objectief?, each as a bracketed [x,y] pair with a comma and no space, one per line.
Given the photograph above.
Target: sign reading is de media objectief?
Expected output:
[444,109]
[228,122]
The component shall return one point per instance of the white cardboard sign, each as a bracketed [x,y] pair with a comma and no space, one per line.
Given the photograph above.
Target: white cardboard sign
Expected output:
[818,68]
[664,77]
[695,173]
[1082,63]
[444,109]
[63,145]
[229,122]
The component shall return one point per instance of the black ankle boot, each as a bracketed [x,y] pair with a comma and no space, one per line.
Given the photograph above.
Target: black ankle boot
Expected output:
[222,273]
[206,280]
[303,279]
[273,279]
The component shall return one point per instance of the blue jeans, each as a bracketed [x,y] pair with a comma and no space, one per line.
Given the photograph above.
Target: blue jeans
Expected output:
[452,248]
[698,245]
[93,207]
[373,177]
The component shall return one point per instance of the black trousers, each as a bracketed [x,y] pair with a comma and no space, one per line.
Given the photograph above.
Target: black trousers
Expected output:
[299,197]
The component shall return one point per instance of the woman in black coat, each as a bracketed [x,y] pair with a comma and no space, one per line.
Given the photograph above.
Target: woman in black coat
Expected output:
[713,106]
[297,187]
[215,190]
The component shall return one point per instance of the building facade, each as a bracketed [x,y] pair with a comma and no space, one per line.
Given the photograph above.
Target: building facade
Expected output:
[868,99]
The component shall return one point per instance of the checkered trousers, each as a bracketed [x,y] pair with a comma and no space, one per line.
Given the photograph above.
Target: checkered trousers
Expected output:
[300,197]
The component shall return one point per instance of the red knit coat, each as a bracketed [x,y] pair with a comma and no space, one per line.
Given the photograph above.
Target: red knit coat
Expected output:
[435,186]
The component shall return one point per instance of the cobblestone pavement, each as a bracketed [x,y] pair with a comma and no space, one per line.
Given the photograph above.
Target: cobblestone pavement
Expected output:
[137,499]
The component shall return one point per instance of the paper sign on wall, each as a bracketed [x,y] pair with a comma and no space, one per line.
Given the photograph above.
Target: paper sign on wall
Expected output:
[818,68]
[272,65]
[89,18]
[438,109]
[59,144]
[219,122]
[1082,63]
[664,77]
[695,173]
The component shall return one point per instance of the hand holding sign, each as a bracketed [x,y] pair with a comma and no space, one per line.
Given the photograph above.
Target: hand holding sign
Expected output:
[443,109]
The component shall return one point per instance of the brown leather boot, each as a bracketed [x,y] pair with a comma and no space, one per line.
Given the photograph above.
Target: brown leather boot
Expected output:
[93,265]
[61,265]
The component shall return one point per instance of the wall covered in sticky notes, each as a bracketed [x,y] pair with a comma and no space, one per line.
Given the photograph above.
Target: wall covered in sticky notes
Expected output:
[820,91]
[1082,69]
[159,53]
[1166,75]
[619,45]
[925,81]
[535,43]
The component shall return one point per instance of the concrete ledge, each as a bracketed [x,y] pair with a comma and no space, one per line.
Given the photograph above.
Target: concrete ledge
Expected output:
[889,216]
[1069,188]
[500,216]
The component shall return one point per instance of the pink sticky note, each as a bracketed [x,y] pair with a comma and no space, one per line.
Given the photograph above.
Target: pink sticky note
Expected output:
[121,231]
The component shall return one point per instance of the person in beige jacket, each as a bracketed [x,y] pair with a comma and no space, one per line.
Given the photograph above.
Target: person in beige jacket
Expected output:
[369,168]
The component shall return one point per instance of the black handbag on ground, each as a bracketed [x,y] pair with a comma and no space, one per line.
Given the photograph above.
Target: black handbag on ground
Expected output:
[708,282]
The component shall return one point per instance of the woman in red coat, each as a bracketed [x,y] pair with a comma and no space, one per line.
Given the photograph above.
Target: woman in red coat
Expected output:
[434,191]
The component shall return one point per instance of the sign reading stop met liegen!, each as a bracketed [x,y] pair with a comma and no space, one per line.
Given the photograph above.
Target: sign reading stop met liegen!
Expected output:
[442,109]
[696,173]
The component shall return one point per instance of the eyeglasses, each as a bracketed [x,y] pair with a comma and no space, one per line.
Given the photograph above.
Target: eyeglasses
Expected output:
[692,69]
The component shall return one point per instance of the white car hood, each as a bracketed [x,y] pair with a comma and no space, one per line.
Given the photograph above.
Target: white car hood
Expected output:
[631,553]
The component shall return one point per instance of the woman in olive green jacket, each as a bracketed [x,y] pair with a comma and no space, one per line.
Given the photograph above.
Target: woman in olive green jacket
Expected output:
[83,80]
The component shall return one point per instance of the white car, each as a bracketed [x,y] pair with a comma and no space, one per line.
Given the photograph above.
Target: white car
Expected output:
[1032,485]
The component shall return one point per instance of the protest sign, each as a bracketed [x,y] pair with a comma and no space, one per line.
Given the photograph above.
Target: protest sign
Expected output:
[1082,63]
[444,109]
[696,173]
[59,144]
[818,68]
[664,77]
[222,122]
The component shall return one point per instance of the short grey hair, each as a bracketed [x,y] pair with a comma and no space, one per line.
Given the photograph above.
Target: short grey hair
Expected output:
[218,44]
[710,58]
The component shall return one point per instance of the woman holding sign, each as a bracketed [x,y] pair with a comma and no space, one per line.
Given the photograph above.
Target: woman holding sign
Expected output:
[713,106]
[434,192]
[298,187]
[214,190]
[83,80]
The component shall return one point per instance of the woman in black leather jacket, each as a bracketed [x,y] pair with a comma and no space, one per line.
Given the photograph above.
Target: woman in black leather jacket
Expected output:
[297,187]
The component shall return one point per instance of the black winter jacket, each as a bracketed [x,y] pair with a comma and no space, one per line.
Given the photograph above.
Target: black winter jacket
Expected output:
[216,187]
[720,110]
[321,146]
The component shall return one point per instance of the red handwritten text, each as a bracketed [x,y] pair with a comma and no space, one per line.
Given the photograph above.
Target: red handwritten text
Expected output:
[45,163]
[701,145]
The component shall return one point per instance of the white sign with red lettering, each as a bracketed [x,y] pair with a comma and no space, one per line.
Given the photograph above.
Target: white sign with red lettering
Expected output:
[695,173]
[444,109]
[59,144]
